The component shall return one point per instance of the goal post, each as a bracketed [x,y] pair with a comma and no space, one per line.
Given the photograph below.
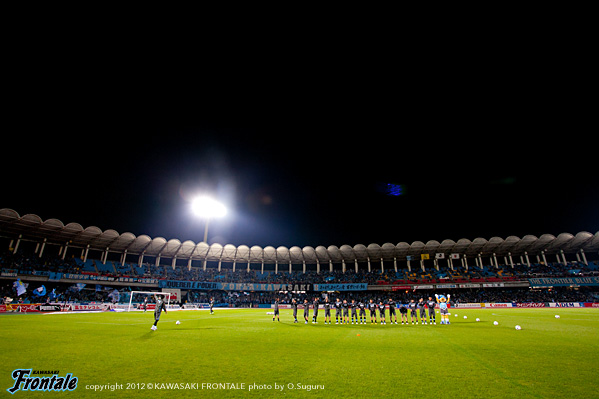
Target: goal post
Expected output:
[167,294]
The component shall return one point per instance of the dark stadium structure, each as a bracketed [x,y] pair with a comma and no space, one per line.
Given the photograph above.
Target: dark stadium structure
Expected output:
[71,253]
[73,236]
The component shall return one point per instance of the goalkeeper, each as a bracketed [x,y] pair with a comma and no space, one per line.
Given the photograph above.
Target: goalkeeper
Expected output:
[160,306]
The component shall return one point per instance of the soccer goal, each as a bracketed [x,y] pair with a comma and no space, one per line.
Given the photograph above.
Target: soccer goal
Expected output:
[167,296]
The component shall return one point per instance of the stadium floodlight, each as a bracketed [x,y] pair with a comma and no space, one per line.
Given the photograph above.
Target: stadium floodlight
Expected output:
[207,208]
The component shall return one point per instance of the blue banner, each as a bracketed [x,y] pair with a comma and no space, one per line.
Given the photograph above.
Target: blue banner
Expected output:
[41,291]
[198,285]
[264,287]
[189,285]
[341,287]
[563,281]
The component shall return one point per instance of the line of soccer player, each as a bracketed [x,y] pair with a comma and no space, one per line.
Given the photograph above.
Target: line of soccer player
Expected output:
[343,309]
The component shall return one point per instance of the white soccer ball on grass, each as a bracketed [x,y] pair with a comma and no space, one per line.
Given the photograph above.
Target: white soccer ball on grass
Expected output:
[496,323]
[477,319]
[178,322]
[465,317]
[557,316]
[518,328]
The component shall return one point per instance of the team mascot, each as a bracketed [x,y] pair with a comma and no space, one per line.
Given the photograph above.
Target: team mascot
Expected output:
[443,307]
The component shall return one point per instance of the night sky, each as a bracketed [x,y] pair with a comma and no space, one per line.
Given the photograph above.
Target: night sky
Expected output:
[322,182]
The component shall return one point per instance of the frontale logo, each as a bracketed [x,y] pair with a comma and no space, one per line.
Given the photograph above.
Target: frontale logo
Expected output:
[23,382]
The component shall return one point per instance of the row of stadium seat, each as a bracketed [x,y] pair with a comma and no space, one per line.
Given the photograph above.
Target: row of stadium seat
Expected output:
[26,263]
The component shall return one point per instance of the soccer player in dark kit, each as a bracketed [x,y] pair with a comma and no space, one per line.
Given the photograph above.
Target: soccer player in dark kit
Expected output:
[306,310]
[382,312]
[211,305]
[413,308]
[392,311]
[431,303]
[354,311]
[345,307]
[337,310]
[421,305]
[327,311]
[403,311]
[276,314]
[294,307]
[372,307]
[362,307]
[315,303]
[160,306]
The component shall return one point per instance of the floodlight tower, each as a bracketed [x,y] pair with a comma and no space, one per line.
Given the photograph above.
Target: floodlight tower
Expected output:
[208,208]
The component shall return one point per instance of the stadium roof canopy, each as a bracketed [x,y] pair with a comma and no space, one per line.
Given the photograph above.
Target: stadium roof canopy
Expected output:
[52,231]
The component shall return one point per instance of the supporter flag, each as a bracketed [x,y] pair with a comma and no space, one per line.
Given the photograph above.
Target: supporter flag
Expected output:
[52,295]
[20,287]
[41,291]
[115,296]
[424,256]
[76,287]
[455,256]
[439,255]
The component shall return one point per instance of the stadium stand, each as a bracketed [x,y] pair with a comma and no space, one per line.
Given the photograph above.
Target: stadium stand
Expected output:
[81,254]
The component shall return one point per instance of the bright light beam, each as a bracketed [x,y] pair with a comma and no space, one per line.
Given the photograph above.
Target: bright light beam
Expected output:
[207,207]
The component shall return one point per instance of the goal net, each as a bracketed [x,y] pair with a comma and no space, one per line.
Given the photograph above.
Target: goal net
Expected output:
[137,297]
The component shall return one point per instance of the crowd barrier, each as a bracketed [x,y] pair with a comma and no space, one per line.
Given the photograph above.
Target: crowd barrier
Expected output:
[53,307]
[488,305]
[103,307]
[528,305]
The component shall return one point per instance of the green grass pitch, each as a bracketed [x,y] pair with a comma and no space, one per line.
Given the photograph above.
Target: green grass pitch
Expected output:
[548,358]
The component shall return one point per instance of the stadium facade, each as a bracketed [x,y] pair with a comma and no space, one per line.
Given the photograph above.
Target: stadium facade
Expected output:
[465,252]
